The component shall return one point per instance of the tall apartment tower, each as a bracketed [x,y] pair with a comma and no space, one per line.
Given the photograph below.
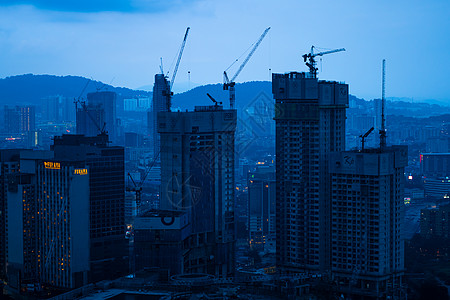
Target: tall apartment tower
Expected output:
[20,119]
[159,104]
[310,124]
[367,208]
[107,100]
[47,204]
[197,177]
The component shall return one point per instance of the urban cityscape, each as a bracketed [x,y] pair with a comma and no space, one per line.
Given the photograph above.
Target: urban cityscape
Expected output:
[288,187]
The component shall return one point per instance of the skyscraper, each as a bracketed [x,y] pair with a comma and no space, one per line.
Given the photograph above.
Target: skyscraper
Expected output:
[197,166]
[107,100]
[108,246]
[310,124]
[20,119]
[160,90]
[90,119]
[47,222]
[367,208]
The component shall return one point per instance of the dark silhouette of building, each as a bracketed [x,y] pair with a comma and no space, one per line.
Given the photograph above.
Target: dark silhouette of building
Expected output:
[9,165]
[47,222]
[310,124]
[261,206]
[435,222]
[107,100]
[108,246]
[57,109]
[20,119]
[367,189]
[435,165]
[90,120]
[197,179]
[160,90]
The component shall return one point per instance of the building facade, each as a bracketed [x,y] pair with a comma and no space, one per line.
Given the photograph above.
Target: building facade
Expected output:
[90,120]
[261,206]
[107,100]
[161,89]
[19,119]
[47,223]
[108,246]
[197,176]
[435,222]
[435,165]
[367,249]
[9,165]
[310,124]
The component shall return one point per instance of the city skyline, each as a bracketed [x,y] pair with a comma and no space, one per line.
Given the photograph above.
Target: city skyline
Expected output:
[120,42]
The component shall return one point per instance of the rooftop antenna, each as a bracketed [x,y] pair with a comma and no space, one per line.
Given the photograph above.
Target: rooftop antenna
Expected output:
[363,138]
[383,103]
[189,80]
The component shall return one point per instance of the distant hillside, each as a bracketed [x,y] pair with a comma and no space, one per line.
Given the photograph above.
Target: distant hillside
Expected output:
[245,94]
[29,88]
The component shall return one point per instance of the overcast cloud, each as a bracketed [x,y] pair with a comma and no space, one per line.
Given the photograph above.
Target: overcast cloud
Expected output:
[124,40]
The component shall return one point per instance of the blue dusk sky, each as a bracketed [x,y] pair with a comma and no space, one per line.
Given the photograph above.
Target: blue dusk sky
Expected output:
[121,41]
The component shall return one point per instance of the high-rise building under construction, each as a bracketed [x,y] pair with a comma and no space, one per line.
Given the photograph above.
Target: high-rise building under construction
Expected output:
[160,103]
[310,124]
[197,178]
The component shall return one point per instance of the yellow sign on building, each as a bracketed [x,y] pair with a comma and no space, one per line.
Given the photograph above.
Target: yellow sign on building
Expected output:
[80,172]
[52,165]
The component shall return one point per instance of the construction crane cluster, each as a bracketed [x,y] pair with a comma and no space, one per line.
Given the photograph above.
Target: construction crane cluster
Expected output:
[228,85]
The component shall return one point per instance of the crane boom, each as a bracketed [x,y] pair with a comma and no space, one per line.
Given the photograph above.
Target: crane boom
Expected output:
[229,84]
[312,62]
[179,57]
[329,52]
[263,35]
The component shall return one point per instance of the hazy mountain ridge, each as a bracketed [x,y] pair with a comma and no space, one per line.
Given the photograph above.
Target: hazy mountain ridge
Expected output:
[246,93]
[29,88]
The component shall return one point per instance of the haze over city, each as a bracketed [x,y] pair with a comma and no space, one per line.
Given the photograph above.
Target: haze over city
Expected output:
[122,41]
[199,149]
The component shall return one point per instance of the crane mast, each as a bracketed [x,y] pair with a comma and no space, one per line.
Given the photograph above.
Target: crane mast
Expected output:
[230,84]
[310,61]
[383,103]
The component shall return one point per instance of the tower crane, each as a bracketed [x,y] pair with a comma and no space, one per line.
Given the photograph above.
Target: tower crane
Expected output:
[363,137]
[311,62]
[168,91]
[137,187]
[216,103]
[83,105]
[229,84]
